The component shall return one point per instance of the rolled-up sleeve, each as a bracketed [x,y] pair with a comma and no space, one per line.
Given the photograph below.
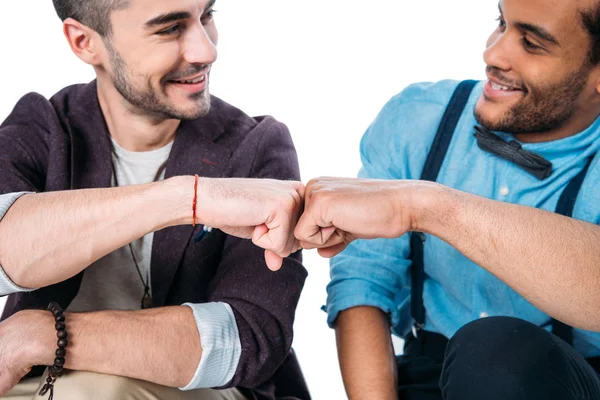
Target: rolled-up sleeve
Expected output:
[370,273]
[6,285]
[221,346]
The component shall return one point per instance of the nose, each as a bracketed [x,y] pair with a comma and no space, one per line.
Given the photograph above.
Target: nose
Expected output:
[200,46]
[497,53]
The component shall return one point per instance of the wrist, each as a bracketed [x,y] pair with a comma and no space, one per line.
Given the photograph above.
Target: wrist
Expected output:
[177,197]
[432,207]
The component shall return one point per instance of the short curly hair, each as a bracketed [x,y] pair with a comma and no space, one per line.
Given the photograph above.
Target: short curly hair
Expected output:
[92,13]
[591,22]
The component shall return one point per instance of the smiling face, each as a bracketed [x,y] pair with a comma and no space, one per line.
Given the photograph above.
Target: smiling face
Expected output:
[539,70]
[159,54]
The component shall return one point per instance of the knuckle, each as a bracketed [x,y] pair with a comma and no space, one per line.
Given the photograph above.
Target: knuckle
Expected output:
[313,181]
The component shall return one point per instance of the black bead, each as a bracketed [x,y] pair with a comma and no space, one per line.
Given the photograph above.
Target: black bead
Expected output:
[49,379]
[60,326]
[62,343]
[59,361]
[62,334]
[57,311]
[60,318]
[56,370]
[53,306]
[61,352]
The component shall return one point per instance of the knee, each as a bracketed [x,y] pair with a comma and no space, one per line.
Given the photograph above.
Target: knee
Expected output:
[498,339]
[499,355]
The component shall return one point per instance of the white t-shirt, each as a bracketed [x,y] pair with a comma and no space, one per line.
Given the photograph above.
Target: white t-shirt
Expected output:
[113,282]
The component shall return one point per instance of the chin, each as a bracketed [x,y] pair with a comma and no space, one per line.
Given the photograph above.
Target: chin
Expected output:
[196,112]
[189,109]
[489,114]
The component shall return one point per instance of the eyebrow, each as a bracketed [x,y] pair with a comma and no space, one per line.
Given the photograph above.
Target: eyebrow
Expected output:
[536,30]
[539,32]
[174,16]
[164,19]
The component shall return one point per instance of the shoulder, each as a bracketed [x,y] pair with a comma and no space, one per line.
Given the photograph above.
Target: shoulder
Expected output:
[36,111]
[400,136]
[25,143]
[429,98]
[239,131]
[260,147]
[32,109]
[239,127]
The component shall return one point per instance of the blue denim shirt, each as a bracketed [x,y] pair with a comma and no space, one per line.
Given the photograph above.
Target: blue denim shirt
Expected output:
[457,291]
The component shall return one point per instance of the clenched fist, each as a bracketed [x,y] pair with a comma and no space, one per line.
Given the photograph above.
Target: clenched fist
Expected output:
[339,210]
[263,210]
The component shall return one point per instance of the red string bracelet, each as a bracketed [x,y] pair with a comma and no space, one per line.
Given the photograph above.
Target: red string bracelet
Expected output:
[194,201]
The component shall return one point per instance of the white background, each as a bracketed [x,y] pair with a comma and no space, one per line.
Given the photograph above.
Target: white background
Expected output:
[324,68]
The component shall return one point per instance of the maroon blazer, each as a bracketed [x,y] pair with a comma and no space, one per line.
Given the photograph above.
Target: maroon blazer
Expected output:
[63,143]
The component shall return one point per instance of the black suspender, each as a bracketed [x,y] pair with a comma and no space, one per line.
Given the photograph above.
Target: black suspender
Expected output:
[565,206]
[430,172]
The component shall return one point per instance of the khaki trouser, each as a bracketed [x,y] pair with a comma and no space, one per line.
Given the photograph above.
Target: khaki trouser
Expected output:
[91,386]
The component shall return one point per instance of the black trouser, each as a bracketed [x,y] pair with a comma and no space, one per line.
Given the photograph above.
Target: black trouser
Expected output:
[496,358]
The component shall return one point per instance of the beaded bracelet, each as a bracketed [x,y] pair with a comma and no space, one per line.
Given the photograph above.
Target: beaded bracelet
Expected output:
[59,362]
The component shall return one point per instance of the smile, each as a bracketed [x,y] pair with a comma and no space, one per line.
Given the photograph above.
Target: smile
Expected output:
[496,86]
[495,91]
[199,79]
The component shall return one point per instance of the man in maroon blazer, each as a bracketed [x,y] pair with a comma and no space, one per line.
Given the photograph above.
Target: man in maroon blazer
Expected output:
[100,212]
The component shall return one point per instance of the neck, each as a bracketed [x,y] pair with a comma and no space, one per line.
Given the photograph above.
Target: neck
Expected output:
[132,130]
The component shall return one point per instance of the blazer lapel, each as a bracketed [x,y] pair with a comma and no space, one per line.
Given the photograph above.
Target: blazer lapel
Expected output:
[91,165]
[194,152]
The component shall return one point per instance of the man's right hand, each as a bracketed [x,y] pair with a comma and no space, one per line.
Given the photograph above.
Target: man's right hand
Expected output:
[23,344]
[263,210]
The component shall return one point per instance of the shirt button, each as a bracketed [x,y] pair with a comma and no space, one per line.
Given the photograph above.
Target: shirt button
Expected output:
[484,315]
[504,191]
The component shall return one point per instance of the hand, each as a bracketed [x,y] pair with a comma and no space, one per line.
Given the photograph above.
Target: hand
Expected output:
[264,210]
[19,341]
[338,211]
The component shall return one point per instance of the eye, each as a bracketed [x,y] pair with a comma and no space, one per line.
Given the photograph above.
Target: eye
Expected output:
[169,31]
[208,16]
[501,23]
[530,46]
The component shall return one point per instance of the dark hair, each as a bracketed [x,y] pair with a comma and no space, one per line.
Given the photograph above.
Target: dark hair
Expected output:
[591,22]
[94,14]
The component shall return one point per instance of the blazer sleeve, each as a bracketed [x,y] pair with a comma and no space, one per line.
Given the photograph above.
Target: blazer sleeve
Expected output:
[23,145]
[263,302]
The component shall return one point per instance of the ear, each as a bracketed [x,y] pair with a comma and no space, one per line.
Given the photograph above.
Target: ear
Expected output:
[594,78]
[84,41]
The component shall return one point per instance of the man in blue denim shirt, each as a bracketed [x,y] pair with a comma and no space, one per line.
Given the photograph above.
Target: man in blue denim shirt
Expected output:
[493,246]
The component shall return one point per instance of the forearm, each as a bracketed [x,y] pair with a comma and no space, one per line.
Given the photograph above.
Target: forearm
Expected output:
[49,237]
[366,354]
[159,345]
[551,260]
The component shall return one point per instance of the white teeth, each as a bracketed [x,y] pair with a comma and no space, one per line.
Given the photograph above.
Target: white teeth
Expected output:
[197,80]
[495,86]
